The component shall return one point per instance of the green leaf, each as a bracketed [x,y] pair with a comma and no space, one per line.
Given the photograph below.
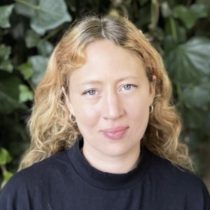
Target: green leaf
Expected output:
[5,12]
[195,119]
[4,156]
[45,48]
[189,16]
[26,7]
[196,96]
[49,15]
[174,32]
[6,177]
[9,85]
[5,63]
[5,52]
[197,50]
[44,14]
[8,104]
[34,69]
[185,15]
[25,94]
[6,66]
[39,64]
[189,62]
[193,138]
[199,10]
[32,39]
[26,70]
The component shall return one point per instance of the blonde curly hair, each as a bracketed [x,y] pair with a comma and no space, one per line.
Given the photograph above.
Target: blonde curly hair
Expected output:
[50,126]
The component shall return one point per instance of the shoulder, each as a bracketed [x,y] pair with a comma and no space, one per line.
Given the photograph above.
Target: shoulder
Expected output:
[165,171]
[34,184]
[37,175]
[177,181]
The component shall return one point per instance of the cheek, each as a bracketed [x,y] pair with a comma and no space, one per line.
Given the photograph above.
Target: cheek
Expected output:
[138,121]
[86,116]
[139,114]
[138,111]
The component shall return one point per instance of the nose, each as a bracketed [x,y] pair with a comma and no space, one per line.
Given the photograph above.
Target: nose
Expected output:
[113,106]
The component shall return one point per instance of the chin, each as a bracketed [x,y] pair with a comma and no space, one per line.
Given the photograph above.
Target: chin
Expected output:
[119,150]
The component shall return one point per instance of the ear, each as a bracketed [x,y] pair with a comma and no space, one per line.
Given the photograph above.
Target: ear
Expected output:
[67,102]
[153,84]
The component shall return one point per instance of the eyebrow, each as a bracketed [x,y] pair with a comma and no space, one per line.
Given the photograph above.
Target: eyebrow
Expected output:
[99,82]
[128,77]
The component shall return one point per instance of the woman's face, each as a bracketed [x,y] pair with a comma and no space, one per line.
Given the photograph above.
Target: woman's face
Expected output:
[110,97]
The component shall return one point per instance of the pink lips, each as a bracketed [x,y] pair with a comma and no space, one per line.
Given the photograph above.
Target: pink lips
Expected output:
[115,133]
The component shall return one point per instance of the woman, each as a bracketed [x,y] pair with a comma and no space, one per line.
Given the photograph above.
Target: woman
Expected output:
[103,132]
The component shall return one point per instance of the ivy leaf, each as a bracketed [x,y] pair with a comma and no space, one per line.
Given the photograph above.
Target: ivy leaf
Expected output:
[4,52]
[45,48]
[4,156]
[26,8]
[189,62]
[49,15]
[6,177]
[5,63]
[39,64]
[6,66]
[5,12]
[32,38]
[44,14]
[26,70]
[25,94]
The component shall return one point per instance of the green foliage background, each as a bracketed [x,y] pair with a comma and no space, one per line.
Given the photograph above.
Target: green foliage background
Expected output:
[29,29]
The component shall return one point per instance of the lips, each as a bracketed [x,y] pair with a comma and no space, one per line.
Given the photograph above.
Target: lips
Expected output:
[115,133]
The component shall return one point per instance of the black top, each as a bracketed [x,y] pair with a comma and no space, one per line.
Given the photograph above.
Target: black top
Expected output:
[66,181]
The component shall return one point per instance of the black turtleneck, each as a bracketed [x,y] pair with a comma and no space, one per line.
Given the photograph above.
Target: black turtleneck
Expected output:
[103,180]
[66,181]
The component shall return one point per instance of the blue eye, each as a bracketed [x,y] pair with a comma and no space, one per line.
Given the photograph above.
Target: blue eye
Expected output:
[90,92]
[128,87]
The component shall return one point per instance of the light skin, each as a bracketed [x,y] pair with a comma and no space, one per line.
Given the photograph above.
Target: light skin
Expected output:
[110,97]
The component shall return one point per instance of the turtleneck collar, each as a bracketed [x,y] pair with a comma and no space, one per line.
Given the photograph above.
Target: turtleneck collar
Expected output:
[107,180]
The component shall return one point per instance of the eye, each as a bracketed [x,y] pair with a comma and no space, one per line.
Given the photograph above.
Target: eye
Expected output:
[90,92]
[128,87]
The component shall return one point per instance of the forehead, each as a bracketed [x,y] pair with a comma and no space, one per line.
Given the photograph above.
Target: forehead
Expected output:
[104,59]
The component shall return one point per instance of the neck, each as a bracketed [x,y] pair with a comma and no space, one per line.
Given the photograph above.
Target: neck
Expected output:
[112,164]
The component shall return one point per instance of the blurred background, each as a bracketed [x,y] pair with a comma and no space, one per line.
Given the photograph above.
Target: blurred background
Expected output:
[178,29]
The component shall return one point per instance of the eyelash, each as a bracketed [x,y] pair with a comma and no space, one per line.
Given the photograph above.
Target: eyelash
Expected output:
[87,92]
[130,85]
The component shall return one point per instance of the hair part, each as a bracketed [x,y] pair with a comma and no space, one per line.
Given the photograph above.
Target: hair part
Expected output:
[50,126]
